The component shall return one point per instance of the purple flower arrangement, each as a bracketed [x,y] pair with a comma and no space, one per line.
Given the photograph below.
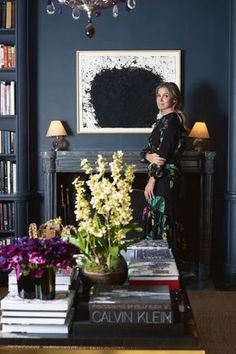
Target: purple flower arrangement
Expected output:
[32,256]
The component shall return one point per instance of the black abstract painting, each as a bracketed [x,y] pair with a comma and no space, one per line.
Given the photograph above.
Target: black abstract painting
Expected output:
[116,90]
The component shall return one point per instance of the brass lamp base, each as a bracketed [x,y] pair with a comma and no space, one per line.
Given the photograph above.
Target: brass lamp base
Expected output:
[198,144]
[59,143]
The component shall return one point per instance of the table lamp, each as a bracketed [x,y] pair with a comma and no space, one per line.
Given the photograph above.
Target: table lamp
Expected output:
[199,132]
[58,132]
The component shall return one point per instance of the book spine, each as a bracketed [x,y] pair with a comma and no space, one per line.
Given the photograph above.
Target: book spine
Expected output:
[13,14]
[5,56]
[9,14]
[58,287]
[32,320]
[131,316]
[1,55]
[63,285]
[130,307]
[17,328]
[3,7]
[2,98]
[173,284]
[41,314]
[11,108]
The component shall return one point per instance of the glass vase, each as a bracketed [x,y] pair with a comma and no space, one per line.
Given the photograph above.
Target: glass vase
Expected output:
[37,288]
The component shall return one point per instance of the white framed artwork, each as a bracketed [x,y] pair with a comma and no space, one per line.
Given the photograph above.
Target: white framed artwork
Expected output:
[116,89]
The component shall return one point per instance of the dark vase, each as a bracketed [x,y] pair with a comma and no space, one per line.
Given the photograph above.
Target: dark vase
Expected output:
[37,288]
[117,277]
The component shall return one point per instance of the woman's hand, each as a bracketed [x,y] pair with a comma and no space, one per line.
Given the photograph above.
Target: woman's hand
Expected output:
[155,158]
[149,189]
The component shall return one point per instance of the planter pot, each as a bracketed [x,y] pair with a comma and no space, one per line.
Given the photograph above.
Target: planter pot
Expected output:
[37,288]
[117,277]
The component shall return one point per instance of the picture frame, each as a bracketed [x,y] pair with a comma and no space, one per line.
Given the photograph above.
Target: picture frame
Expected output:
[115,90]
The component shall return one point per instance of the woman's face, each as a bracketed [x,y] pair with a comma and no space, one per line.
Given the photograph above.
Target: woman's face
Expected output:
[165,102]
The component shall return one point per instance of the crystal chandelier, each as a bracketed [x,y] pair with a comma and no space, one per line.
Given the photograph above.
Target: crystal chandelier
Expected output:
[92,7]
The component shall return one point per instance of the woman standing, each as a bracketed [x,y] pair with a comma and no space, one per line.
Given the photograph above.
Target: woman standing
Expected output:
[162,153]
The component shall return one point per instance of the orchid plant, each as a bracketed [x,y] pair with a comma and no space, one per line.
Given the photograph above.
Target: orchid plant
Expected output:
[103,213]
[32,256]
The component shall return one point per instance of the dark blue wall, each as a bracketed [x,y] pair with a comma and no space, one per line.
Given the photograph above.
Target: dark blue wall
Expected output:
[198,28]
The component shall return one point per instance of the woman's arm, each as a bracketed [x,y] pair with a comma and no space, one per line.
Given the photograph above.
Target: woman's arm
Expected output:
[170,137]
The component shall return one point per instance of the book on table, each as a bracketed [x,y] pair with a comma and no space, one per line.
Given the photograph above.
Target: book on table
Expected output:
[39,328]
[37,316]
[64,280]
[148,250]
[63,277]
[125,304]
[156,272]
[126,297]
[9,317]
[62,302]
[172,284]
[153,269]
[150,244]
[58,287]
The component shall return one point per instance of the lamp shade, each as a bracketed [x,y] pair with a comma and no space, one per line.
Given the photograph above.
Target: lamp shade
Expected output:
[200,131]
[56,128]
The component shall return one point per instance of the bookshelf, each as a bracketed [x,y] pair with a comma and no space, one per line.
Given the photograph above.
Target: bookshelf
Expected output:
[14,181]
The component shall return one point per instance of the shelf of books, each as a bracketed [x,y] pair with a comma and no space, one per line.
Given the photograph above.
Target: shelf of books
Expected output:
[14,193]
[7,119]
[14,184]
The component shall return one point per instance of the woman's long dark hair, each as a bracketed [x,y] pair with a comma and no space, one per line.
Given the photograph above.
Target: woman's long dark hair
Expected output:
[177,99]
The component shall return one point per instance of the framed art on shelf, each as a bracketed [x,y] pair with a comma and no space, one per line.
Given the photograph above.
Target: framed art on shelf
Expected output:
[116,89]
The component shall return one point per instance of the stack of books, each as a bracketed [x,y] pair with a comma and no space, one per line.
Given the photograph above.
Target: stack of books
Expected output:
[40,316]
[130,305]
[129,313]
[37,316]
[151,262]
[64,279]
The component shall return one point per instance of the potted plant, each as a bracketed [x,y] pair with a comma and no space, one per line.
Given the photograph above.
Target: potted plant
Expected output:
[104,214]
[35,262]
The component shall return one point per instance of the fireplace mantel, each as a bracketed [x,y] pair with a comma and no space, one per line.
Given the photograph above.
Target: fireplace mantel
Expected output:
[192,162]
[69,161]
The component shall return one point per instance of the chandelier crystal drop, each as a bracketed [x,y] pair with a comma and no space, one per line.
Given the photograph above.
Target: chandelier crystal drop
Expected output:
[131,4]
[91,7]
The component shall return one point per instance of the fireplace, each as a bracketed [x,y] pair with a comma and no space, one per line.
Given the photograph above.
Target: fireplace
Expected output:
[195,204]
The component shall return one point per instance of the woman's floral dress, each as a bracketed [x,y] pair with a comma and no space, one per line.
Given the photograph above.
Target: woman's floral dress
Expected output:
[167,140]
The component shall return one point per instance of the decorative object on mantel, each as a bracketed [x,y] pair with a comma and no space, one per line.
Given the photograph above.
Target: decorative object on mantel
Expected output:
[91,7]
[104,218]
[58,132]
[36,262]
[199,132]
[49,229]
